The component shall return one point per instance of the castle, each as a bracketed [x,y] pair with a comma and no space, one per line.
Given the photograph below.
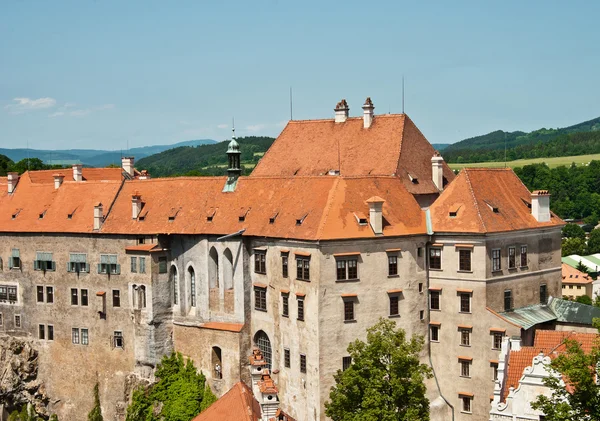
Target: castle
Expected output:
[342,222]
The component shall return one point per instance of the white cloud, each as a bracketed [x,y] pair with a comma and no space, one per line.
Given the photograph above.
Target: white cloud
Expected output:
[22,105]
[222,126]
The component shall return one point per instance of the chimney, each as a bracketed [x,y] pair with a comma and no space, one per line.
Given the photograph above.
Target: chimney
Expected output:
[267,398]
[77,172]
[144,175]
[540,205]
[97,216]
[58,180]
[136,205]
[341,111]
[368,108]
[12,180]
[127,165]
[437,170]
[376,214]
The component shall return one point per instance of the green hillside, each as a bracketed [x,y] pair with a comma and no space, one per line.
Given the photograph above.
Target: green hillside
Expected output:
[204,159]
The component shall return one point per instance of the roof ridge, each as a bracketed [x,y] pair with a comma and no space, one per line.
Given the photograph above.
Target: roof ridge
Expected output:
[475,201]
[327,208]
[318,120]
[400,143]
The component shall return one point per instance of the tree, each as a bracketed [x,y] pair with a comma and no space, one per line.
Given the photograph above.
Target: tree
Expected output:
[385,381]
[179,395]
[581,267]
[584,299]
[573,231]
[573,246]
[96,413]
[579,401]
[593,245]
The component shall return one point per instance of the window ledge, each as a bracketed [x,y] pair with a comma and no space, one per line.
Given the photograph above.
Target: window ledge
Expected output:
[435,309]
[497,271]
[260,273]
[524,267]
[303,280]
[464,312]
[436,270]
[348,280]
[300,320]
[466,346]
[287,316]
[260,309]
[349,321]
[394,276]
[464,271]
[394,316]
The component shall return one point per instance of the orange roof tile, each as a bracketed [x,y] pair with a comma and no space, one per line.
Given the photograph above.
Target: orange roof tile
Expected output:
[570,275]
[393,145]
[230,327]
[88,174]
[142,247]
[477,191]
[238,404]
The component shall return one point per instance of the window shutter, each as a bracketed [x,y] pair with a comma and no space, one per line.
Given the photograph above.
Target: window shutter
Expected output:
[53,266]
[68,267]
[99,267]
[10,262]
[36,265]
[87,267]
[118,272]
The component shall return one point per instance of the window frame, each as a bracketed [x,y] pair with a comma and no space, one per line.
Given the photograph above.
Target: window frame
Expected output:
[260,298]
[287,358]
[523,255]
[438,294]
[465,368]
[465,337]
[466,405]
[74,297]
[508,295]
[285,304]
[544,295]
[142,264]
[300,307]
[116,298]
[75,335]
[345,267]
[512,258]
[133,264]
[18,321]
[118,337]
[42,332]
[349,311]
[260,262]
[50,331]
[303,363]
[496,260]
[435,255]
[285,265]
[303,268]
[467,260]
[436,329]
[49,289]
[394,305]
[39,294]
[462,295]
[85,336]
[392,264]
[497,338]
[346,362]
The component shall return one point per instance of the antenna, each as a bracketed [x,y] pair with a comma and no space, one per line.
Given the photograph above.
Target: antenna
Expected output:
[291,105]
[402,94]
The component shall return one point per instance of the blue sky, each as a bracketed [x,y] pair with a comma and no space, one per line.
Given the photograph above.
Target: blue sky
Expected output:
[101,74]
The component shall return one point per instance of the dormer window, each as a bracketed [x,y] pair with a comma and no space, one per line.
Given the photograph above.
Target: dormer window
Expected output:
[454,211]
[361,218]
[142,216]
[243,213]
[42,214]
[413,179]
[299,221]
[492,207]
[15,213]
[173,214]
[273,217]
[210,214]
[526,203]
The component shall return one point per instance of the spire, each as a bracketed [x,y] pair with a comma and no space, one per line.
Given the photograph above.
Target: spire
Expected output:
[233,155]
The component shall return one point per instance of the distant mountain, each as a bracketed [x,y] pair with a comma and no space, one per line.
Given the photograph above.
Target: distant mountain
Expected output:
[440,146]
[493,142]
[93,157]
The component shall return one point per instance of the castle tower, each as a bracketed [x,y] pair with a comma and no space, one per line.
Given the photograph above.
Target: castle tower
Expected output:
[234,170]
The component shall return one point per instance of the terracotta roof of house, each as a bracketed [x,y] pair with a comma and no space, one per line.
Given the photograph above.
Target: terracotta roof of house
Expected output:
[39,207]
[88,174]
[306,207]
[570,275]
[548,342]
[486,200]
[238,404]
[393,145]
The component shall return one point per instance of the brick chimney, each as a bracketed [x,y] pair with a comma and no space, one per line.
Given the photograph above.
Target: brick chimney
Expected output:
[267,398]
[540,205]
[12,180]
[368,109]
[127,165]
[136,204]
[376,214]
[437,170]
[341,111]
[77,172]
[98,216]
[58,180]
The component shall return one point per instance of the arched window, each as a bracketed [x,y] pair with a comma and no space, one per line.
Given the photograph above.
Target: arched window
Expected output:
[213,268]
[175,283]
[134,296]
[217,362]
[228,269]
[142,296]
[264,344]
[192,278]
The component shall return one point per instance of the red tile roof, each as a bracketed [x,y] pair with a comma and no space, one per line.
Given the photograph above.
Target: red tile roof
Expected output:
[88,174]
[570,275]
[238,404]
[476,192]
[393,145]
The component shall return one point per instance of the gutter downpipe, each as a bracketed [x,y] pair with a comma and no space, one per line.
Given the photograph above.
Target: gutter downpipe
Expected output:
[235,234]
[437,383]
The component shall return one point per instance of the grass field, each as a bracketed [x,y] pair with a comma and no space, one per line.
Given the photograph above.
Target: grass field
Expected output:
[551,162]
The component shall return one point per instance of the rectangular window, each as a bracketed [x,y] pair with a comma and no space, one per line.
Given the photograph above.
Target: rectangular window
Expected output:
[464,260]
[496,262]
[434,300]
[465,368]
[17,320]
[49,294]
[303,269]
[497,340]
[465,302]
[260,261]
[507,300]
[512,257]
[74,297]
[422,315]
[1,320]
[494,371]
[286,358]
[142,265]
[300,301]
[133,264]
[108,264]
[12,294]
[302,363]
[3,292]
[420,287]
[466,404]
[41,332]
[394,308]
[77,263]
[44,262]
[284,266]
[285,297]
[50,332]
[392,265]
[348,310]
[40,294]
[84,297]
[116,298]
[347,269]
[435,333]
[523,256]
[465,337]
[346,363]
[15,260]
[260,298]
[75,335]
[84,337]
[118,339]
[543,294]
[435,258]
[162,264]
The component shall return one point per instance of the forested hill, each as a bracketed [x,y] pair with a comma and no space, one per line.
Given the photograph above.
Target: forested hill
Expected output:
[490,147]
[204,159]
